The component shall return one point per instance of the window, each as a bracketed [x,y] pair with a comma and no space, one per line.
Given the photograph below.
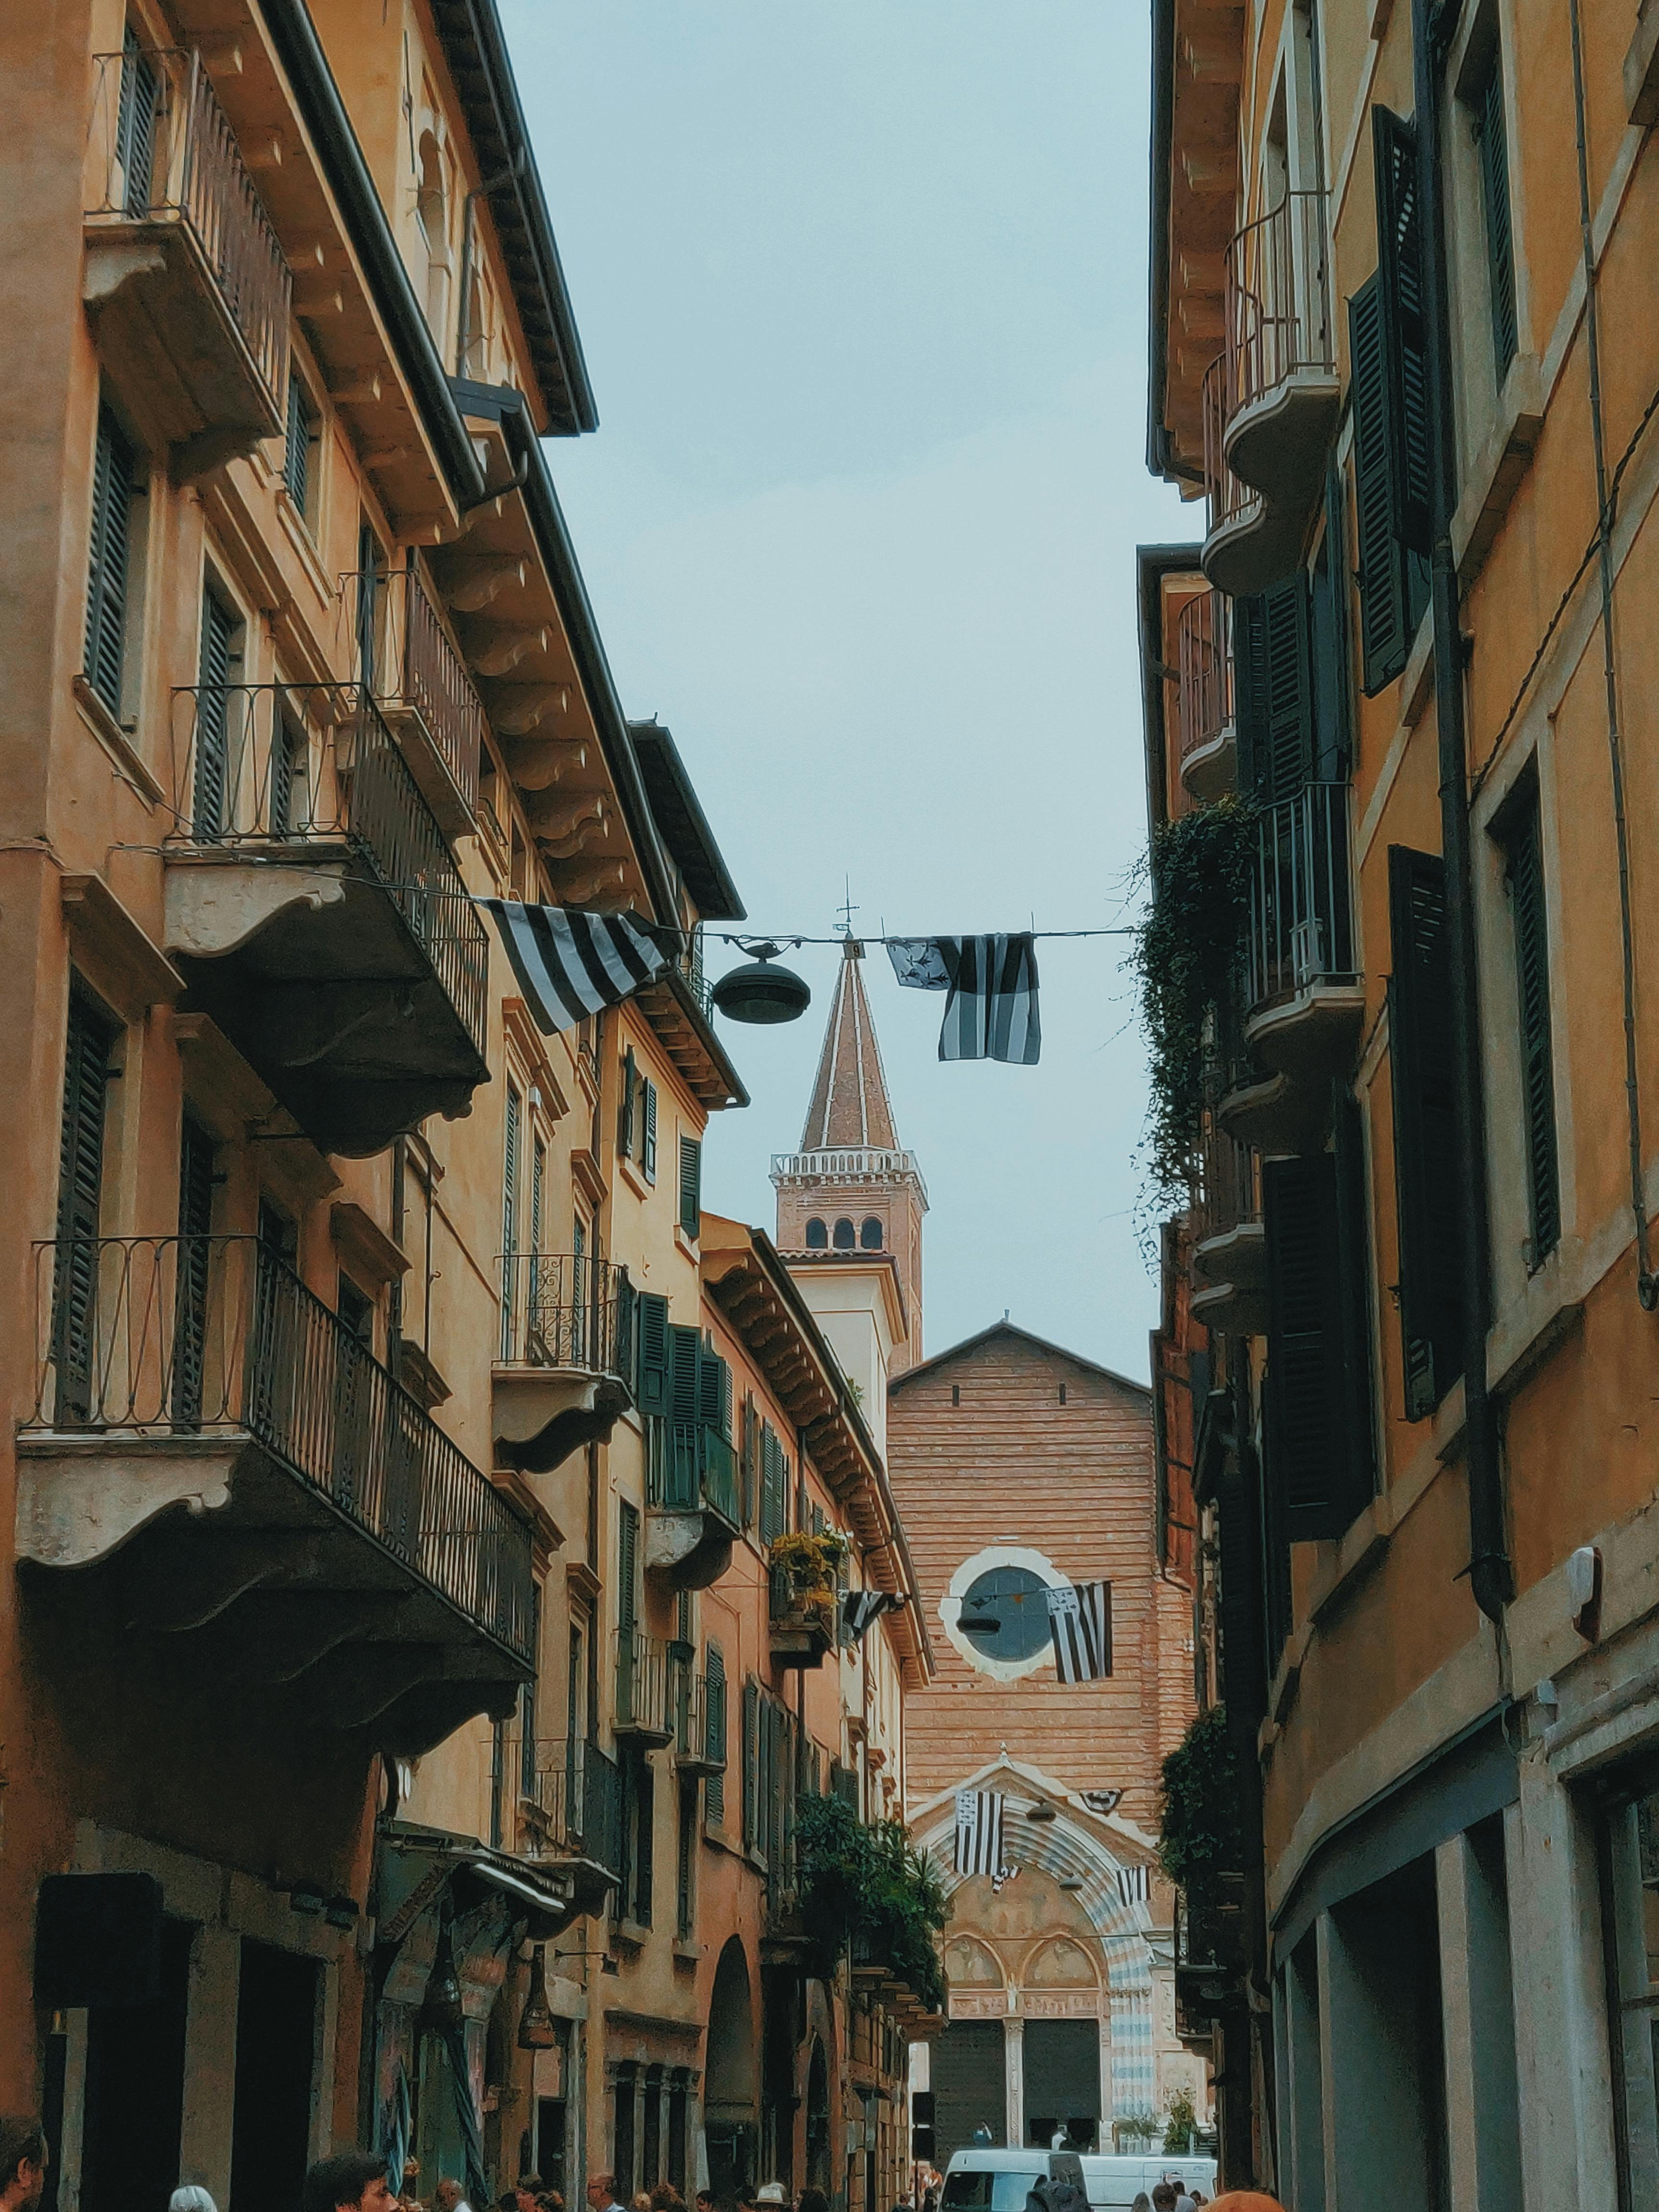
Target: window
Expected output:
[1492,144]
[639,1835]
[870,1233]
[210,774]
[134,124]
[844,1236]
[431,215]
[690,1185]
[301,449]
[715,1679]
[88,1045]
[636,1117]
[628,1571]
[1004,1613]
[648,1129]
[1427,1193]
[371,590]
[1523,878]
[685,1860]
[775,1485]
[651,1348]
[111,566]
[818,1237]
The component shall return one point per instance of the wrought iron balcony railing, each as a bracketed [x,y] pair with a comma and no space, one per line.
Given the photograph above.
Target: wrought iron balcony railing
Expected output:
[1205,666]
[699,1708]
[406,659]
[1229,499]
[576,1793]
[645,1669]
[162,151]
[1226,1195]
[561,1310]
[1277,304]
[271,769]
[692,1466]
[177,1337]
[1301,898]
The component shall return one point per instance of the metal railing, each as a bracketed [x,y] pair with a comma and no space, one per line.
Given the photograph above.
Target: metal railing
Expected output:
[1229,497]
[578,1799]
[690,1466]
[645,1668]
[1226,1193]
[162,150]
[1301,899]
[415,666]
[1277,300]
[563,1310]
[787,1602]
[1204,664]
[266,767]
[171,1336]
[699,1709]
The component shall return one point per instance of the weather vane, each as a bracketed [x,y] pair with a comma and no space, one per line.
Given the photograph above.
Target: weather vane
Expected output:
[847,909]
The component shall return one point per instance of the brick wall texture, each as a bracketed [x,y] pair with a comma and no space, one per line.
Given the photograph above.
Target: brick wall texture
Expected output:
[1010,1464]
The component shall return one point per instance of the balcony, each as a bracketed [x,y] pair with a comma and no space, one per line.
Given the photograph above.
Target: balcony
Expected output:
[1271,398]
[1229,1253]
[1204,664]
[562,1377]
[699,1706]
[803,1623]
[645,1671]
[420,685]
[1211,1954]
[219,1453]
[317,913]
[185,284]
[695,1513]
[1304,998]
[574,1813]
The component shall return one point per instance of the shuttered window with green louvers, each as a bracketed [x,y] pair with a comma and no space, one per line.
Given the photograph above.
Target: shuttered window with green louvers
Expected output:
[134,124]
[627,1567]
[748,1464]
[301,432]
[1428,1197]
[1393,583]
[91,1035]
[1405,339]
[213,720]
[1529,918]
[775,1485]
[1492,142]
[751,1752]
[647,1130]
[690,1185]
[109,561]
[714,1693]
[650,1347]
[684,1360]
[1273,690]
[627,1105]
[715,1392]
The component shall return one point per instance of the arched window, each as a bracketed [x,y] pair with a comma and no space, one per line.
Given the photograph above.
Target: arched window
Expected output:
[844,1239]
[818,1237]
[870,1233]
[435,230]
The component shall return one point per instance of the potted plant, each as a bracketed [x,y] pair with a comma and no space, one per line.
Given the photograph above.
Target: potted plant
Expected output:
[863,1888]
[809,1568]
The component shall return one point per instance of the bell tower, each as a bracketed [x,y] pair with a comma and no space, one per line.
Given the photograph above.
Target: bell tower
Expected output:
[850,1201]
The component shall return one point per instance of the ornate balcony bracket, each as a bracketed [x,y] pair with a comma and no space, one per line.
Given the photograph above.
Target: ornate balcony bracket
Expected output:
[540,1415]
[81,1497]
[690,1551]
[216,907]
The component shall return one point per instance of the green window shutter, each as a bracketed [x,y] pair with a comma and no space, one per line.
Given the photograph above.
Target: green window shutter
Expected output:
[1273,689]
[750,1764]
[690,1185]
[714,1712]
[286,743]
[749,1460]
[134,124]
[774,1480]
[651,1339]
[648,1129]
[1428,1198]
[1492,142]
[213,720]
[715,1392]
[1328,642]
[109,553]
[510,1172]
[1529,917]
[1384,640]
[626,1100]
[627,1566]
[296,448]
[645,1807]
[1310,1438]
[685,1356]
[1405,350]
[80,1190]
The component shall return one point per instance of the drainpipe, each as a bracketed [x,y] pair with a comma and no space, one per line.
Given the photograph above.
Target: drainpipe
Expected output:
[1489,1569]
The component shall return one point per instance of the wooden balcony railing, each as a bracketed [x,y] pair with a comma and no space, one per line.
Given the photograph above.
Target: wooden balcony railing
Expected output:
[563,1310]
[162,150]
[188,1336]
[270,768]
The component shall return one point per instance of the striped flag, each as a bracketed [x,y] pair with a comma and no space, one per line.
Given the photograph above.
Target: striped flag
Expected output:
[1135,1885]
[570,964]
[992,1012]
[979,1831]
[1080,1623]
[860,1608]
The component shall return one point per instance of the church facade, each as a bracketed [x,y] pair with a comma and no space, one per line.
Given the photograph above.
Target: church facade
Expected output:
[1016,1466]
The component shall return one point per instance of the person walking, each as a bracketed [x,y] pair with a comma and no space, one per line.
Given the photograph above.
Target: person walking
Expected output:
[350,2181]
[23,2161]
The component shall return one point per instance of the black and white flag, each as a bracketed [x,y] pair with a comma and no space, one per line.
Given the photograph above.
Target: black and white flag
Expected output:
[1135,1885]
[1103,1801]
[859,1607]
[992,1012]
[979,1831]
[570,964]
[1080,1623]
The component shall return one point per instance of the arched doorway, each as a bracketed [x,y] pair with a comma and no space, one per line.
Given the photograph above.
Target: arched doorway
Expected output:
[730,2109]
[818,2119]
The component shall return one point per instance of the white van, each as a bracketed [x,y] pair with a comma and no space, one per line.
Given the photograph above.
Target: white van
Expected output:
[996,2180]
[1113,2182]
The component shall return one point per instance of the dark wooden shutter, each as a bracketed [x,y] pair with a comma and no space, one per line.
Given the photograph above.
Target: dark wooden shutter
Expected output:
[1404,349]
[715,1392]
[510,1174]
[645,1836]
[749,1461]
[79,1191]
[627,1566]
[647,1128]
[685,1356]
[1331,674]
[1310,1438]
[1353,1258]
[371,563]
[629,1085]
[195,1156]
[135,128]
[750,1764]
[212,720]
[1425,1127]
[1491,140]
[651,1335]
[1384,643]
[285,742]
[1274,690]
[714,1731]
[775,1479]
[690,1185]
[109,553]
[1530,918]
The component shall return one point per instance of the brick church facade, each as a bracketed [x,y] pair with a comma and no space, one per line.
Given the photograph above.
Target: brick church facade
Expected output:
[1017,1466]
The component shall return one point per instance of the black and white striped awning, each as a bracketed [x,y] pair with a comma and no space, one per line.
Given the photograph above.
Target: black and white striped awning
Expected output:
[570,964]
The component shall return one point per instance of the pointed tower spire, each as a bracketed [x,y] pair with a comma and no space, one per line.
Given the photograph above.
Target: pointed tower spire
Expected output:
[850,1108]
[850,1201]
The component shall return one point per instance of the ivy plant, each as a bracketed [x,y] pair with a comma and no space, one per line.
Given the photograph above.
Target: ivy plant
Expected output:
[1200,1837]
[863,1878]
[1184,955]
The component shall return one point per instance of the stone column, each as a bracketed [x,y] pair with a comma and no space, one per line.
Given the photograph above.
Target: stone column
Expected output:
[1013,2059]
[1477,2001]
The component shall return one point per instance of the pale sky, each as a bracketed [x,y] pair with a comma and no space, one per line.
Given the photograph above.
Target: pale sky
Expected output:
[861,285]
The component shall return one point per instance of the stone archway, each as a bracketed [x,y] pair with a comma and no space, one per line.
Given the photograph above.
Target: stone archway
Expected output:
[818,2164]
[730,2082]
